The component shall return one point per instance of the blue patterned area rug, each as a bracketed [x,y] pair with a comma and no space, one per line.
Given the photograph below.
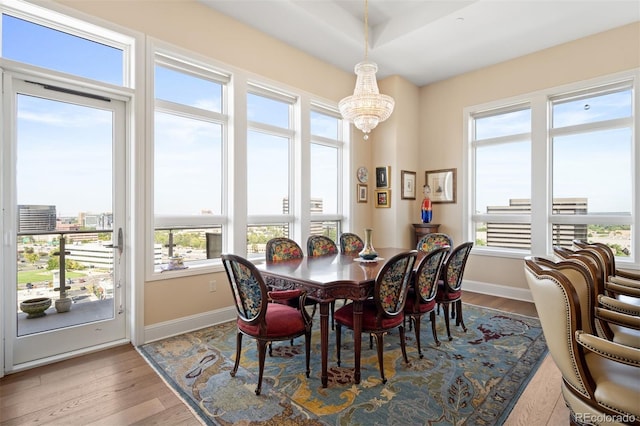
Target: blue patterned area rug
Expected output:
[475,379]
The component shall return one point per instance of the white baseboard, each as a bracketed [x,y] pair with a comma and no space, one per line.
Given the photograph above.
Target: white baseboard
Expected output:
[186,324]
[498,290]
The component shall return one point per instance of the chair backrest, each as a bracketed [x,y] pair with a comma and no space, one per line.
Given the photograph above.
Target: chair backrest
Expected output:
[350,243]
[604,253]
[392,285]
[319,245]
[454,266]
[433,241]
[248,288]
[427,273]
[580,273]
[559,309]
[281,248]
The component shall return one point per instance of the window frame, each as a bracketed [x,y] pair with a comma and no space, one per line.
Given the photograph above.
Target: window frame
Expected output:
[542,218]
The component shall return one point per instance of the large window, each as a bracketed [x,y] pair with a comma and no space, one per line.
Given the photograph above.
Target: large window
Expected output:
[270,160]
[188,164]
[553,167]
[326,149]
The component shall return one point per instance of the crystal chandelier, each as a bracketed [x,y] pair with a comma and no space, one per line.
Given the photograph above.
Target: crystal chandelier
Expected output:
[366,107]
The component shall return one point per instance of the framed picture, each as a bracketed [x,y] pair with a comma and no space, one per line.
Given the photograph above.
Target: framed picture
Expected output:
[442,184]
[383,174]
[363,193]
[383,198]
[408,182]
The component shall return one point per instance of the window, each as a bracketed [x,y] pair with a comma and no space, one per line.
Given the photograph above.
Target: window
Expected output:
[325,179]
[31,43]
[188,163]
[553,167]
[270,161]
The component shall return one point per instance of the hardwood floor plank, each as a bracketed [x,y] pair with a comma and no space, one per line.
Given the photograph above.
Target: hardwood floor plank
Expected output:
[131,414]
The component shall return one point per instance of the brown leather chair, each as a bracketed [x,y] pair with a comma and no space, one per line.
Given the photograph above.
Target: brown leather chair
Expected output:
[261,319]
[600,378]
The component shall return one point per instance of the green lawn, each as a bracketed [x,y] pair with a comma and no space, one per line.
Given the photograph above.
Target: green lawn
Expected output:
[40,275]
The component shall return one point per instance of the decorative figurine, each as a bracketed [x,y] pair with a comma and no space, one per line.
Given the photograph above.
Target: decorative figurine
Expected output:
[426,205]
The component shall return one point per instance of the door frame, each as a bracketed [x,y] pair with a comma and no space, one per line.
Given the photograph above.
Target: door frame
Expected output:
[8,203]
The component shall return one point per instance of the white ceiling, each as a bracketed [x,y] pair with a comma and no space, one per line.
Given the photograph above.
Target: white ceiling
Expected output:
[428,40]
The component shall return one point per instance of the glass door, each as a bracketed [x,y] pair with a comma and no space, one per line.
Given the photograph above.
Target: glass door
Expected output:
[66,204]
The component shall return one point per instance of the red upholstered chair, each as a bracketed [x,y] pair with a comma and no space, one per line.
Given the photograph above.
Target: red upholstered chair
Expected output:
[258,317]
[450,286]
[422,295]
[319,245]
[385,311]
[350,243]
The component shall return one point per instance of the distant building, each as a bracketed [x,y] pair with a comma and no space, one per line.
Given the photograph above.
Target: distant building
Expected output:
[36,218]
[518,235]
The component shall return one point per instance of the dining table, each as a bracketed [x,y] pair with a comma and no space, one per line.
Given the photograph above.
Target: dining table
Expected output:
[328,278]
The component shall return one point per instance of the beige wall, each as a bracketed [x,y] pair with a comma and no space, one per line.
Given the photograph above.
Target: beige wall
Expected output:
[424,133]
[441,123]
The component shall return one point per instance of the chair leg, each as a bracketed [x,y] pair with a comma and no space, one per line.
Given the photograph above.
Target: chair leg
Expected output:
[380,347]
[307,348]
[403,344]
[446,319]
[262,352]
[459,319]
[338,341]
[238,352]
[432,317]
[332,308]
[416,321]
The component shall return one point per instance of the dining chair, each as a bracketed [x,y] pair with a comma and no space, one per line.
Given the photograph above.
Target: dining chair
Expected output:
[259,317]
[421,299]
[385,311]
[282,248]
[599,377]
[434,240]
[450,284]
[320,245]
[350,243]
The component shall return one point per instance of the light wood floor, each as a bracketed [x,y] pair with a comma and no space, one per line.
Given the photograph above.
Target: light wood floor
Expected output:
[117,387]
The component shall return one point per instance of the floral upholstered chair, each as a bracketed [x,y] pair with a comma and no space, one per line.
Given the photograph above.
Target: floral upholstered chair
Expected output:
[351,243]
[282,249]
[319,245]
[433,241]
[450,284]
[385,310]
[422,292]
[261,319]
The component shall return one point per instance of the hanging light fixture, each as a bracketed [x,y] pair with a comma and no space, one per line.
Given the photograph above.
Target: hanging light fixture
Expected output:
[366,107]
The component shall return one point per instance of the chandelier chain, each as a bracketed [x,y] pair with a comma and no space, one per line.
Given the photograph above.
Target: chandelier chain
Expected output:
[366,29]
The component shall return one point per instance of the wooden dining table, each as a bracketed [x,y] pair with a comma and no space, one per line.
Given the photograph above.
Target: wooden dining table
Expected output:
[325,279]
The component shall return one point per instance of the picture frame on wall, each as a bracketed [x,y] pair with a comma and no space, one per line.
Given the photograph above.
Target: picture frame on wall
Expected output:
[363,193]
[383,198]
[443,185]
[383,176]
[408,183]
